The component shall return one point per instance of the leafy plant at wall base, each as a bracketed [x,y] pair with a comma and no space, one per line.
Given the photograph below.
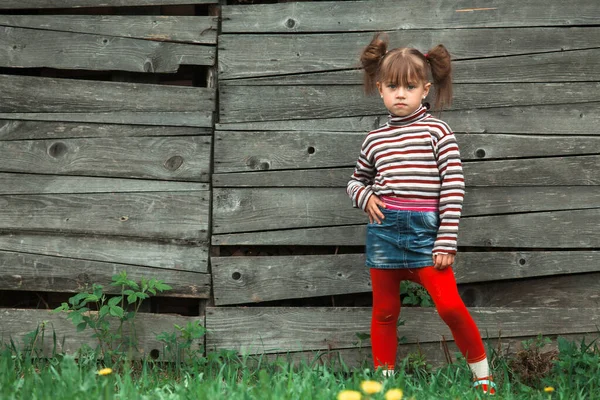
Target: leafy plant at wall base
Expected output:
[93,309]
[180,346]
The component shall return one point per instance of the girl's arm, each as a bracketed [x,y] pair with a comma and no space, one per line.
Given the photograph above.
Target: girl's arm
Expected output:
[359,187]
[452,193]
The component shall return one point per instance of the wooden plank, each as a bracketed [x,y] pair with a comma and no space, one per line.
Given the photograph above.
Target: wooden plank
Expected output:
[25,4]
[22,130]
[548,230]
[238,280]
[237,151]
[201,119]
[557,120]
[58,274]
[11,183]
[172,157]
[580,290]
[164,28]
[521,172]
[352,16]
[243,56]
[32,48]
[28,94]
[17,323]
[279,329]
[567,66]
[171,255]
[318,101]
[175,215]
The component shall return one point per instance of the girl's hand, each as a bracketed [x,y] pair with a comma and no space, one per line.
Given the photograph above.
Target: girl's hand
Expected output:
[442,261]
[373,209]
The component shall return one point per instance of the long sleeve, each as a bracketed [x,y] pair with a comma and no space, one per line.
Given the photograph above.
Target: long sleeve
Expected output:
[452,193]
[359,187]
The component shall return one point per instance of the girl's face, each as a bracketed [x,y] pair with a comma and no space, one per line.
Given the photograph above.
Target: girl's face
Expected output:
[402,100]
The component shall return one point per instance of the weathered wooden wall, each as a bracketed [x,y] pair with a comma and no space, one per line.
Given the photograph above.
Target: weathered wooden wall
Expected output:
[111,160]
[106,124]
[293,116]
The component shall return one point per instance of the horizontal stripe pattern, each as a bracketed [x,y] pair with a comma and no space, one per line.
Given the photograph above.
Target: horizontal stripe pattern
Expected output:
[413,158]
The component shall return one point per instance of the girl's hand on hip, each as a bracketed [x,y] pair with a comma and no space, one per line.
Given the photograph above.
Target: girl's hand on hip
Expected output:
[373,209]
[442,261]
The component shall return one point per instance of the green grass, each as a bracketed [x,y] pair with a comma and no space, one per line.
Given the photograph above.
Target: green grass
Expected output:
[574,375]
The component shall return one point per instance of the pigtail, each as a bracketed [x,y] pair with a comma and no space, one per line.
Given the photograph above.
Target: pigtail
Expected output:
[441,71]
[370,59]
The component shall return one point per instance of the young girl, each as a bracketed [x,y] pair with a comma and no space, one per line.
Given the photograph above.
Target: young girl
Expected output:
[409,181]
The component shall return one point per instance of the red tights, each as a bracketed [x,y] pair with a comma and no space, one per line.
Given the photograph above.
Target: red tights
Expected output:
[441,285]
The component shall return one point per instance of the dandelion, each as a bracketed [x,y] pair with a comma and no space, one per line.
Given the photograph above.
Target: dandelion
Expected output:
[548,389]
[371,387]
[394,394]
[349,395]
[105,371]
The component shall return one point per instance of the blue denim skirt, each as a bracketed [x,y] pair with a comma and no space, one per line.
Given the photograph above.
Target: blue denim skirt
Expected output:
[404,239]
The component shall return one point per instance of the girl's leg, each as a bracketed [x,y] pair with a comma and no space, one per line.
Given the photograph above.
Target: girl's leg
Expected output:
[441,285]
[384,320]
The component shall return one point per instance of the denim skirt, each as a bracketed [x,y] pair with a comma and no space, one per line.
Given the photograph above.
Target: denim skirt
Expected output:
[404,239]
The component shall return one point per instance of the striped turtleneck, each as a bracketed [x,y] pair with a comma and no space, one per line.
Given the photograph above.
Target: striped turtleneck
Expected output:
[413,158]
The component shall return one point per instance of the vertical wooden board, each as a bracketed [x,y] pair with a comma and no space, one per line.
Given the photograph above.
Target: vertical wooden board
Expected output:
[152,215]
[30,94]
[15,324]
[188,29]
[32,48]
[32,272]
[175,158]
[258,330]
[180,256]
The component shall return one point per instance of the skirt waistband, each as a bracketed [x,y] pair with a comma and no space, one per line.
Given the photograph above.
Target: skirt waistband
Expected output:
[396,203]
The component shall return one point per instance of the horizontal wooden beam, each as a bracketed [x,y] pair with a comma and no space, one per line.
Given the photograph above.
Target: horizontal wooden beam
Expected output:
[347,16]
[237,151]
[163,28]
[169,255]
[201,119]
[32,272]
[260,209]
[255,279]
[30,94]
[185,158]
[34,48]
[25,4]
[16,324]
[547,230]
[23,130]
[331,101]
[248,56]
[257,330]
[557,120]
[175,215]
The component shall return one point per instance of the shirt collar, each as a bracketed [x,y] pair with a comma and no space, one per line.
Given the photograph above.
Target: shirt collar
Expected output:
[418,115]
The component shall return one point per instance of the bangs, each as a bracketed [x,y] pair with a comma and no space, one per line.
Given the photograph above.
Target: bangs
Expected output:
[401,69]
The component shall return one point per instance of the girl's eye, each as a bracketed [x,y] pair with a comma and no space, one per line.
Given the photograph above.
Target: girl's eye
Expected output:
[392,86]
[411,87]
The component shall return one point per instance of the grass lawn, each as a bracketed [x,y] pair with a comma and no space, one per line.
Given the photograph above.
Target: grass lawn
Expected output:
[573,373]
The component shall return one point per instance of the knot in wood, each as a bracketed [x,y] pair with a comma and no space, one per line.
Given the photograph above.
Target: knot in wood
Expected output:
[290,23]
[57,149]
[174,163]
[480,153]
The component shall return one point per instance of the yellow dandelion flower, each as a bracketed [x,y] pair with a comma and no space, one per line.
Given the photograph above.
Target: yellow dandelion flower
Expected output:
[394,394]
[349,395]
[371,387]
[105,371]
[548,389]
